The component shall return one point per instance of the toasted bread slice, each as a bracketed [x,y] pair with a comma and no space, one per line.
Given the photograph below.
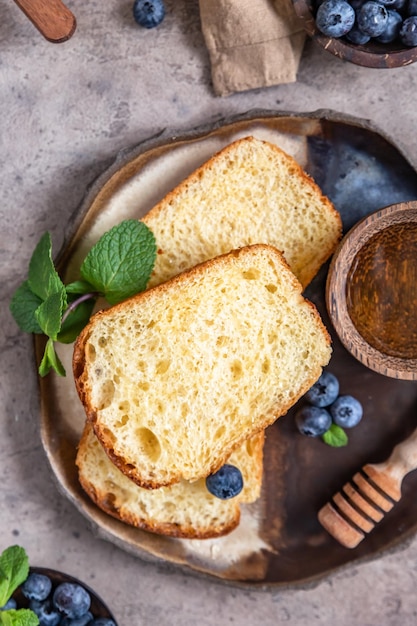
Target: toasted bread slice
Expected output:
[176,378]
[183,510]
[250,192]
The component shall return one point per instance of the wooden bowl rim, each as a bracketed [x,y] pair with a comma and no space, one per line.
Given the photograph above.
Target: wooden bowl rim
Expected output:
[375,56]
[352,242]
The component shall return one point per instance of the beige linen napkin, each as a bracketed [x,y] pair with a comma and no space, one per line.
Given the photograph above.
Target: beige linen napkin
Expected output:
[251,43]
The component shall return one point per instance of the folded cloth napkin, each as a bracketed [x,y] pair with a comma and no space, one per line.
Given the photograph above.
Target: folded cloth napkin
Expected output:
[251,43]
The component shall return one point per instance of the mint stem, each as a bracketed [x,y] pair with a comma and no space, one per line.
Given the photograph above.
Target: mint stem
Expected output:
[73,305]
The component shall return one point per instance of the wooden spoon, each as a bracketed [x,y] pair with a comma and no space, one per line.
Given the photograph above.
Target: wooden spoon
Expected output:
[51,17]
[373,491]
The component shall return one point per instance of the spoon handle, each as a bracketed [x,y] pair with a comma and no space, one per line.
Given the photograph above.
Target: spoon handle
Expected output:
[51,17]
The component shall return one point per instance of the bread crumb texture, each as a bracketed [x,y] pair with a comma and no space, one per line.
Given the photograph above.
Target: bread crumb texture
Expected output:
[177,377]
[250,192]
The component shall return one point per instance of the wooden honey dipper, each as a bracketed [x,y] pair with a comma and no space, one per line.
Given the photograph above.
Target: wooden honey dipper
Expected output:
[373,491]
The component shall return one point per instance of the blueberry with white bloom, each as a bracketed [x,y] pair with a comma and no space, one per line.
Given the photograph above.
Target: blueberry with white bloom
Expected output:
[148,13]
[71,600]
[335,18]
[372,18]
[226,483]
[346,411]
[324,391]
[313,421]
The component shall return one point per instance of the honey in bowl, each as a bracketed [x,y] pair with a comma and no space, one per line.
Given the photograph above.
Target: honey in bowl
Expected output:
[381,291]
[371,291]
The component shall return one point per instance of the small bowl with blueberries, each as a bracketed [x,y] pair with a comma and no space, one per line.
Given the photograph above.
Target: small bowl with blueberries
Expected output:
[35,596]
[371,33]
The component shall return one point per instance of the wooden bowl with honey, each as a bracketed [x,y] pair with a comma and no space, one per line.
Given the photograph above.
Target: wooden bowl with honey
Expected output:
[371,291]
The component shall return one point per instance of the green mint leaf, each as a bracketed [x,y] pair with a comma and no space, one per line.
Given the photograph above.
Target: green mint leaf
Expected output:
[79,287]
[335,437]
[20,617]
[76,320]
[23,307]
[49,313]
[50,361]
[121,262]
[14,569]
[43,278]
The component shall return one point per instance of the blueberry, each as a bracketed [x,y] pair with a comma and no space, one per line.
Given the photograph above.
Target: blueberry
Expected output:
[313,421]
[346,411]
[324,391]
[71,599]
[392,29]
[335,18]
[10,604]
[411,8]
[85,620]
[356,36]
[408,32]
[226,483]
[47,614]
[389,4]
[148,13]
[37,586]
[356,4]
[372,18]
[398,5]
[103,621]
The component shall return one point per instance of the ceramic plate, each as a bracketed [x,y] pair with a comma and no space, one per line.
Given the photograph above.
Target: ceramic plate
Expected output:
[279,541]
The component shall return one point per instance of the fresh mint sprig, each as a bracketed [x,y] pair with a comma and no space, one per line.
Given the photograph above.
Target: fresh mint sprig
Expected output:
[14,569]
[118,266]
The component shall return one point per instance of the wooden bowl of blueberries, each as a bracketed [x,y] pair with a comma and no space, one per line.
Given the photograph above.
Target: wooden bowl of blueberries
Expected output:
[370,33]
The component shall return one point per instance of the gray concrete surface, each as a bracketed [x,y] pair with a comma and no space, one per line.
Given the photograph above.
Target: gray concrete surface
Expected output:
[65,112]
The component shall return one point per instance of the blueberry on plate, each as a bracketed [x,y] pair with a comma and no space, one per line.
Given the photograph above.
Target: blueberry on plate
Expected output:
[313,421]
[392,29]
[372,18]
[71,599]
[408,32]
[335,18]
[346,411]
[226,483]
[324,391]
[102,621]
[37,586]
[148,13]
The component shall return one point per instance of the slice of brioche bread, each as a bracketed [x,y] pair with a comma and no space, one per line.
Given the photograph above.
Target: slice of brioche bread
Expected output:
[176,378]
[250,192]
[183,510]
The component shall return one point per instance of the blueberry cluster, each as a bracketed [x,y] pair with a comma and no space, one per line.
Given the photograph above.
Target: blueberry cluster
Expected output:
[360,21]
[226,483]
[148,13]
[68,604]
[325,408]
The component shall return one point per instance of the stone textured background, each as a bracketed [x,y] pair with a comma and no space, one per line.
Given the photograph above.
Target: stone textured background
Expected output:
[66,110]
